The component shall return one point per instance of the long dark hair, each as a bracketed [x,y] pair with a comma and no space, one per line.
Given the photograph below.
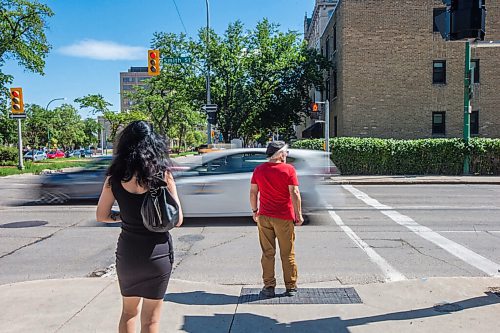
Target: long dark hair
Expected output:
[139,152]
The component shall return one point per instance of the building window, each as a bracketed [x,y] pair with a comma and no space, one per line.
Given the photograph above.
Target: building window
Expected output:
[474,64]
[334,38]
[436,12]
[127,87]
[128,79]
[335,126]
[335,84]
[474,123]
[327,47]
[439,72]
[142,79]
[438,123]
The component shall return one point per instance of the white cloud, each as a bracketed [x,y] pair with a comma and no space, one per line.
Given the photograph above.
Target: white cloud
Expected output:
[104,50]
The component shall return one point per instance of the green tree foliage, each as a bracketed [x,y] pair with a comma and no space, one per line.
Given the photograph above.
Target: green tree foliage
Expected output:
[8,128]
[22,26]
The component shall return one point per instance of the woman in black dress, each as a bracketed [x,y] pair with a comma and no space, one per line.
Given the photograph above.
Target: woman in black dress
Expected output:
[143,259]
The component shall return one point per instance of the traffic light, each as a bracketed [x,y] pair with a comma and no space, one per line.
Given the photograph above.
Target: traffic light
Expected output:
[16,98]
[314,107]
[154,62]
[212,118]
[463,19]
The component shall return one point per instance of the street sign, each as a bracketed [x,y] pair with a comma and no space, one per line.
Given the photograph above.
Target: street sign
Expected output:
[17,116]
[209,107]
[178,60]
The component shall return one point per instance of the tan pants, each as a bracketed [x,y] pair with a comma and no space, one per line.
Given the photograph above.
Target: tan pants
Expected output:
[271,228]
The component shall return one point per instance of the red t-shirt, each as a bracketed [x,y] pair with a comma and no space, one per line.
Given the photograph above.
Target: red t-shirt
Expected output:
[273,180]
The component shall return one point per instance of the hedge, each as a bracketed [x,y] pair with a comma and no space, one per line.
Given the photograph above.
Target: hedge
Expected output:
[8,155]
[372,156]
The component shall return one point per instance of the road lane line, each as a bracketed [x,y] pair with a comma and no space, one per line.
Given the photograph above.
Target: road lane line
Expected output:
[472,258]
[391,274]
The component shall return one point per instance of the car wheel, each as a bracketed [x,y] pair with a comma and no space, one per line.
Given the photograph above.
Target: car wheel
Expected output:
[53,198]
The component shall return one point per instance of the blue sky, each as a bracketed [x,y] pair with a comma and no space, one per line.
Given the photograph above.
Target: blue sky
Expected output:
[94,40]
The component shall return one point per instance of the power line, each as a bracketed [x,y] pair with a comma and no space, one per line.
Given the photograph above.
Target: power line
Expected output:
[180,17]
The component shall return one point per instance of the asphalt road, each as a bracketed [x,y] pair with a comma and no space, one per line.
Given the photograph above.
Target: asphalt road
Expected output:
[360,234]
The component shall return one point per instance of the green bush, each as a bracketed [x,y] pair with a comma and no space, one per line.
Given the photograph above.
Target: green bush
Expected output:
[8,155]
[372,156]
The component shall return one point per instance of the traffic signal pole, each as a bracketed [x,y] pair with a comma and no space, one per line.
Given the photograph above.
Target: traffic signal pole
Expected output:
[467,105]
[209,126]
[20,146]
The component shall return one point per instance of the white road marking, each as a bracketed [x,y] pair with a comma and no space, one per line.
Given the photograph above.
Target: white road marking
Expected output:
[472,258]
[391,274]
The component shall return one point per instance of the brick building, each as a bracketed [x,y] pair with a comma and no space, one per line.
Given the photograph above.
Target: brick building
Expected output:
[394,76]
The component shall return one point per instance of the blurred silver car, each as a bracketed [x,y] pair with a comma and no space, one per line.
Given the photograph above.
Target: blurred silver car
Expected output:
[218,183]
[210,185]
[39,156]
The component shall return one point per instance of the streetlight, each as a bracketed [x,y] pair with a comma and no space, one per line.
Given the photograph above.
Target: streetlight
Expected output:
[209,126]
[47,110]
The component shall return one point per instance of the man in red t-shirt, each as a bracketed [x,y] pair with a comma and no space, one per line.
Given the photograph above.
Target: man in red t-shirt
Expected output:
[275,186]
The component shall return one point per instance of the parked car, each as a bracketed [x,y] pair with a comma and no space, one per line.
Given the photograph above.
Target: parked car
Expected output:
[86,153]
[55,154]
[39,156]
[69,153]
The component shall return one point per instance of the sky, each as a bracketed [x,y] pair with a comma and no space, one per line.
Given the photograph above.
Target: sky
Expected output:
[94,40]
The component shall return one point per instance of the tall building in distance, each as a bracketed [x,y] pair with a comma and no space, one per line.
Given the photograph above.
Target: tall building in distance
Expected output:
[134,77]
[393,76]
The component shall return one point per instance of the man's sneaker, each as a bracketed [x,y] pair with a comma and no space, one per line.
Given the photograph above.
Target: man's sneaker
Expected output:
[267,292]
[291,292]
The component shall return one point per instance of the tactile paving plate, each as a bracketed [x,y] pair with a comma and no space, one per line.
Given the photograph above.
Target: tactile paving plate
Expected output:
[303,296]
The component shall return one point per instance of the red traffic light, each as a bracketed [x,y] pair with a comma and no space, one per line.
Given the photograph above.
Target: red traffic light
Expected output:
[15,93]
[152,55]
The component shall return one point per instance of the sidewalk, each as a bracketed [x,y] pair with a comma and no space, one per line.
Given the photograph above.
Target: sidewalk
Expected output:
[412,180]
[93,305]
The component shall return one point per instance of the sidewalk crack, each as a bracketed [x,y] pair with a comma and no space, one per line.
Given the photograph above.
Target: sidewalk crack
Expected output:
[79,311]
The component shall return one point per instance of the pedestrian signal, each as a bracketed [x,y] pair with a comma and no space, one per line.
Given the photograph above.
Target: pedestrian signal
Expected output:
[16,97]
[154,62]
[314,107]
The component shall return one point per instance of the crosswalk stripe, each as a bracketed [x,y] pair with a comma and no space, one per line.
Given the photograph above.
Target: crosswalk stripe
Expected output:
[391,274]
[472,258]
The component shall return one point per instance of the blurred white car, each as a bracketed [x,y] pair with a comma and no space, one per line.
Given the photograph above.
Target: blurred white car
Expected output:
[39,155]
[218,183]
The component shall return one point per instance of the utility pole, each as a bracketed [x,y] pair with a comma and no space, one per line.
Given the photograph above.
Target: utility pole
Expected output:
[209,126]
[467,107]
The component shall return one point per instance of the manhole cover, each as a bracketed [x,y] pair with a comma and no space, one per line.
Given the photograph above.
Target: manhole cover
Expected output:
[23,224]
[447,307]
[191,238]
[303,296]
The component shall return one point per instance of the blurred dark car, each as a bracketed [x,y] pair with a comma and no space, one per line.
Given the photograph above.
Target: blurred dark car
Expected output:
[85,183]
[86,153]
[69,153]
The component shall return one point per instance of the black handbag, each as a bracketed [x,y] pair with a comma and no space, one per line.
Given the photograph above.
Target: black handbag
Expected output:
[159,210]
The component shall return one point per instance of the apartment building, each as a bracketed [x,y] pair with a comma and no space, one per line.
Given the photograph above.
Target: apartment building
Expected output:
[393,76]
[135,76]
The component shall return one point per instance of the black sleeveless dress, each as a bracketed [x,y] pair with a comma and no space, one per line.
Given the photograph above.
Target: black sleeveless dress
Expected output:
[143,258]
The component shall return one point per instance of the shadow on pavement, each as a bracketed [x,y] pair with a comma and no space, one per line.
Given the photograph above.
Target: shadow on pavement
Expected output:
[201,298]
[247,322]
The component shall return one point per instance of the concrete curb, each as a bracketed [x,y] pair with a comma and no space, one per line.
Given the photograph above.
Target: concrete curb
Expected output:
[418,180]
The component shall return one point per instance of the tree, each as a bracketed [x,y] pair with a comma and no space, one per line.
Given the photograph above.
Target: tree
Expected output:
[23,25]
[169,98]
[8,128]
